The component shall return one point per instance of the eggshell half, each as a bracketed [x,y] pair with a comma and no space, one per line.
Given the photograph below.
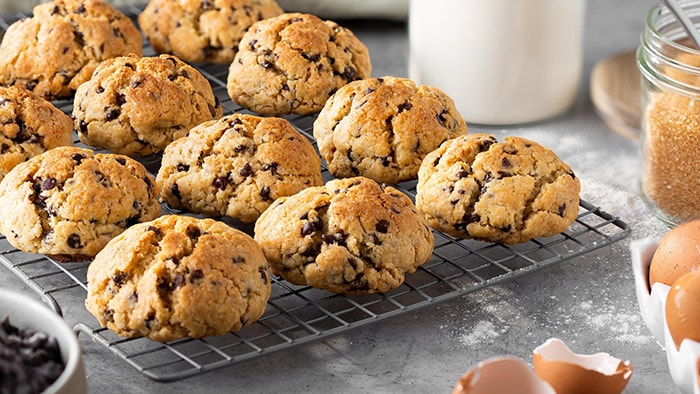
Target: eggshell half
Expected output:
[501,375]
[650,300]
[570,373]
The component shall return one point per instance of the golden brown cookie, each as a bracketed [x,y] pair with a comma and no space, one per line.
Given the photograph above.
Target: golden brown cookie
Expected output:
[202,31]
[351,236]
[57,49]
[293,62]
[237,166]
[136,106]
[29,126]
[512,191]
[178,277]
[382,128]
[69,202]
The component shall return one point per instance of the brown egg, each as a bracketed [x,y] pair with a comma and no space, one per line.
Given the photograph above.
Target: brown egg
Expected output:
[677,254]
[683,308]
[570,373]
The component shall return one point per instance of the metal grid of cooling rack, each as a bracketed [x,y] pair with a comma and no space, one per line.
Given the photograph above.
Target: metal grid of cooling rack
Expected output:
[296,315]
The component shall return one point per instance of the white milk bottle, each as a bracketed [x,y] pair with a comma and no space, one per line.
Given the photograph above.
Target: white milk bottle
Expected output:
[503,62]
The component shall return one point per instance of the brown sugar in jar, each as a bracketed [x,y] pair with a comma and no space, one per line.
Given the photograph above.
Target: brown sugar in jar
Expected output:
[670,141]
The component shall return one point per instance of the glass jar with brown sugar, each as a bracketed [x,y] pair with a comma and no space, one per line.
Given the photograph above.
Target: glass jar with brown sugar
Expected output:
[670,66]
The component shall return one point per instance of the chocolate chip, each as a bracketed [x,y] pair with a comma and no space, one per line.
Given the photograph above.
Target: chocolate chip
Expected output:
[178,281]
[74,241]
[350,73]
[312,251]
[220,182]
[193,232]
[55,10]
[196,275]
[251,44]
[441,118]
[80,9]
[83,127]
[175,190]
[4,148]
[272,167]
[79,38]
[267,65]
[121,160]
[462,173]
[285,87]
[77,157]
[48,184]
[505,228]
[99,90]
[562,209]
[117,32]
[182,167]
[246,171]
[404,107]
[238,260]
[475,218]
[119,278]
[112,113]
[153,229]
[505,162]
[307,229]
[263,274]
[312,57]
[265,193]
[382,226]
[337,238]
[120,99]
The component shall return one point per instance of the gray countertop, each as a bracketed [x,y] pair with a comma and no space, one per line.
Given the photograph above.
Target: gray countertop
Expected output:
[589,301]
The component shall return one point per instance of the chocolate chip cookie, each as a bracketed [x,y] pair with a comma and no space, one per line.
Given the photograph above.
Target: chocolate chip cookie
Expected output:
[29,126]
[57,49]
[382,128]
[202,31]
[237,166]
[177,277]
[136,106]
[512,191]
[69,202]
[351,236]
[293,62]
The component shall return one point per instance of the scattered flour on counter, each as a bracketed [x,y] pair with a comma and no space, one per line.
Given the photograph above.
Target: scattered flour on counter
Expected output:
[482,331]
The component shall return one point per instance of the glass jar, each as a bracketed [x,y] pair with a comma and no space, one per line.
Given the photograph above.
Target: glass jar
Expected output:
[670,138]
[503,62]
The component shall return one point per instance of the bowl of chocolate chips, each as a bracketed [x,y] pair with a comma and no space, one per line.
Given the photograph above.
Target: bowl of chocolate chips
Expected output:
[39,352]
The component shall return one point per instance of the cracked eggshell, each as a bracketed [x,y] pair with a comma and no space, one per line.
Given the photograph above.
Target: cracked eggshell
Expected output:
[570,373]
[501,375]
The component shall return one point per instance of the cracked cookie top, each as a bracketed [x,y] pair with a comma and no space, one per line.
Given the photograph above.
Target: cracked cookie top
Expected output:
[202,30]
[29,126]
[382,128]
[57,49]
[69,202]
[511,191]
[177,277]
[237,166]
[350,236]
[293,62]
[136,105]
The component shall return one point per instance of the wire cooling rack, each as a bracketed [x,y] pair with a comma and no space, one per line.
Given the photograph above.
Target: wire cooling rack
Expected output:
[296,315]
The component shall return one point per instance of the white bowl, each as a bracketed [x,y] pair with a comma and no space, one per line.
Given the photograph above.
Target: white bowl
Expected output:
[31,314]
[683,362]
